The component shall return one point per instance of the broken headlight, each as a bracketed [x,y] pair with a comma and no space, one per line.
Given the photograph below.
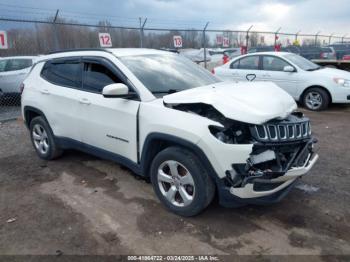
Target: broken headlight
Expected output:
[232,133]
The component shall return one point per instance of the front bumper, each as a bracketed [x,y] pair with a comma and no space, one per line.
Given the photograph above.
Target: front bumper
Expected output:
[269,187]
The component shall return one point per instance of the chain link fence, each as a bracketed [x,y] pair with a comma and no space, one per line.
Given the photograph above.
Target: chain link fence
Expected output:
[58,31]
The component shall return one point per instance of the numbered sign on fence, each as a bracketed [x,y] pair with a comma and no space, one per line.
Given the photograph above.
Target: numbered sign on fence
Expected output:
[3,40]
[225,42]
[219,39]
[177,41]
[105,39]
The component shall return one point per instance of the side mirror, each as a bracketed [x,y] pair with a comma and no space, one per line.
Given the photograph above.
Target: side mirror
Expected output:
[288,69]
[115,90]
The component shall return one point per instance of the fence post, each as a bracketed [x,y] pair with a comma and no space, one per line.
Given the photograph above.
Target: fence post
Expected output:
[342,39]
[296,36]
[55,32]
[276,35]
[141,30]
[205,45]
[329,39]
[247,37]
[316,37]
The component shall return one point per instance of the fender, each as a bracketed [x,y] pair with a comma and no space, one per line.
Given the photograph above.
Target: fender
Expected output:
[146,158]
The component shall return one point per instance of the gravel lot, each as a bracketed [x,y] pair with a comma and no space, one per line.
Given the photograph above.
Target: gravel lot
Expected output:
[80,204]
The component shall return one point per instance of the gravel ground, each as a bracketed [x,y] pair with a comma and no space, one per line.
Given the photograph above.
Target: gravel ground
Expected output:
[80,204]
[9,112]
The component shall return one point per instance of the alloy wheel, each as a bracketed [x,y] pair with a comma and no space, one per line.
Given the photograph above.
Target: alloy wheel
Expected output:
[176,183]
[313,100]
[40,139]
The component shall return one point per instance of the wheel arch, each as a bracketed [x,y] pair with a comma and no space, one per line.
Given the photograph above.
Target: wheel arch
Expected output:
[316,86]
[30,113]
[156,142]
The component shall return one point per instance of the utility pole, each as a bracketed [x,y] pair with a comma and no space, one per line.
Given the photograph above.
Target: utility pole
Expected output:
[142,26]
[276,35]
[205,45]
[247,37]
[55,32]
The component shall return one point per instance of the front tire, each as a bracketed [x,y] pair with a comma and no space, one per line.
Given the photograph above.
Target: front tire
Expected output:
[181,182]
[316,99]
[43,139]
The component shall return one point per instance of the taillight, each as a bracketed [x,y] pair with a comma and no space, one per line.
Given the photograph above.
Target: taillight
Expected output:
[225,59]
[21,88]
[213,71]
[322,55]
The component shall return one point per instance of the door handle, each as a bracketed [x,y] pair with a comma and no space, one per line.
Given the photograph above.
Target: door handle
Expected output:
[266,75]
[84,101]
[45,92]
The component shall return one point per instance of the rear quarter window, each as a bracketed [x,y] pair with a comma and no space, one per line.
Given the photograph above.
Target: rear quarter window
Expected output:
[63,73]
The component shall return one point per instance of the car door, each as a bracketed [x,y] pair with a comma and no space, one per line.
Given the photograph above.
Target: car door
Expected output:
[246,68]
[14,73]
[273,70]
[243,69]
[59,90]
[109,124]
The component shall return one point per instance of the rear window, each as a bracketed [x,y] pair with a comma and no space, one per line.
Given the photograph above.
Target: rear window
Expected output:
[18,64]
[63,73]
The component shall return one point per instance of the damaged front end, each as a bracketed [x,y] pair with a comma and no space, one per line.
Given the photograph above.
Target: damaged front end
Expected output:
[282,150]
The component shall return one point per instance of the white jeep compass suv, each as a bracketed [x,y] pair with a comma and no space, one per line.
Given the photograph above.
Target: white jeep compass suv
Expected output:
[172,122]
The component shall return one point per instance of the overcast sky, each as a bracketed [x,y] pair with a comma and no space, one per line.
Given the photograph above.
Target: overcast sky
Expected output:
[310,16]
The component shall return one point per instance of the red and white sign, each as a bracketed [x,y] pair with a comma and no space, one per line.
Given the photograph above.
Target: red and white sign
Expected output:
[225,41]
[219,39]
[3,40]
[105,39]
[177,41]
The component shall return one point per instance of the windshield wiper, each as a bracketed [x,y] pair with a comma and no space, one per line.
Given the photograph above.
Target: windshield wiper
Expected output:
[170,91]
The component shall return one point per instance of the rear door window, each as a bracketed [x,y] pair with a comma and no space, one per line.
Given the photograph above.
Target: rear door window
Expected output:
[18,64]
[249,63]
[96,76]
[63,72]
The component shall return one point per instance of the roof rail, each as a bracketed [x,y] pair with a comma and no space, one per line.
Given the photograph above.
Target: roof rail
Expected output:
[79,49]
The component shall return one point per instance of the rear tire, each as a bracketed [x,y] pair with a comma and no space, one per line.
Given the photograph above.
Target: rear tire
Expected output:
[43,139]
[316,99]
[181,182]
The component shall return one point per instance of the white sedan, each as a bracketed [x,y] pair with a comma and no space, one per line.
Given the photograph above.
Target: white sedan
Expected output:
[314,86]
[13,70]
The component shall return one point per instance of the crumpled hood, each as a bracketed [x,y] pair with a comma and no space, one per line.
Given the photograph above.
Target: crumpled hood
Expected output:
[249,102]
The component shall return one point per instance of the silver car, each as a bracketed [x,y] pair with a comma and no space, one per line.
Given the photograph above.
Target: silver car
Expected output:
[13,70]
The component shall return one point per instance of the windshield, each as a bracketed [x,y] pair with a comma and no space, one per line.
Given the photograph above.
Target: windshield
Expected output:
[168,73]
[2,65]
[302,62]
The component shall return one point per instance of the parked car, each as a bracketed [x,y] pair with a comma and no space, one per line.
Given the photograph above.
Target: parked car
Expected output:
[341,50]
[314,86]
[170,121]
[314,52]
[13,70]
[195,55]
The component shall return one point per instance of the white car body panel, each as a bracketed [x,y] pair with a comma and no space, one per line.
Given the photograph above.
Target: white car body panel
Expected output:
[253,103]
[295,83]
[10,81]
